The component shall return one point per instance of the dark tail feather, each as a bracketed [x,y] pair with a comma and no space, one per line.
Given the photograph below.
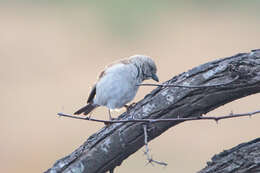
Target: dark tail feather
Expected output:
[86,109]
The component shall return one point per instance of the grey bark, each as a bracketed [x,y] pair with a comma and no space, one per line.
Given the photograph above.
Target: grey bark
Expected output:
[244,158]
[111,145]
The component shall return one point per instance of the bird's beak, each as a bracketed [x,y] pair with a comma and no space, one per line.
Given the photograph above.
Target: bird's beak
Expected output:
[155,77]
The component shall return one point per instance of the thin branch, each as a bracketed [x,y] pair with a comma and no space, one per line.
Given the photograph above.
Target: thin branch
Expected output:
[185,86]
[146,152]
[215,118]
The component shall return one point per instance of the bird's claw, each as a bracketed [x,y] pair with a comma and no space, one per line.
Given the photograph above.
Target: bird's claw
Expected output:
[129,107]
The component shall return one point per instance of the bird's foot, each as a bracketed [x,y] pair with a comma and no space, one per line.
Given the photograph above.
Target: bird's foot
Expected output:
[110,118]
[88,116]
[129,107]
[109,123]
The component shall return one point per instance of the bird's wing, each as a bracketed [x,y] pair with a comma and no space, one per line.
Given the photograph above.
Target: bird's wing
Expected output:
[92,94]
[93,90]
[102,74]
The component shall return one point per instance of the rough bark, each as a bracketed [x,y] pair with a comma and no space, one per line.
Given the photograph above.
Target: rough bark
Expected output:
[107,148]
[244,158]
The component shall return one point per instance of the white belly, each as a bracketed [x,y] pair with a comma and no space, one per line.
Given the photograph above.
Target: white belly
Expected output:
[116,88]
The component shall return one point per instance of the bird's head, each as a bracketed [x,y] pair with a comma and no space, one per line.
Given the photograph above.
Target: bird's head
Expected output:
[146,67]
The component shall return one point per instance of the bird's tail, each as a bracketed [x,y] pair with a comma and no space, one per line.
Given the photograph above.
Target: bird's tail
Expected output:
[86,109]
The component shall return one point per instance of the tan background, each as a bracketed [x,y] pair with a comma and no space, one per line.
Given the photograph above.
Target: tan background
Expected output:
[51,54]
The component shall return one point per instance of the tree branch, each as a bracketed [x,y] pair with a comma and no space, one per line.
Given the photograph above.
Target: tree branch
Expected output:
[244,158]
[215,118]
[112,144]
[185,86]
[150,160]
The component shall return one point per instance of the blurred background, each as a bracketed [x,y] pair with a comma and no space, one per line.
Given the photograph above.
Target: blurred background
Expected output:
[52,52]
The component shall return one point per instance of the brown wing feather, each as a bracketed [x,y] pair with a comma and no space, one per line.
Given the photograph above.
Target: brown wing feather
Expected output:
[92,94]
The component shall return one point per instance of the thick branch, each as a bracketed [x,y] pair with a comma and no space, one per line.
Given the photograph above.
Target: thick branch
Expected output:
[243,158]
[107,148]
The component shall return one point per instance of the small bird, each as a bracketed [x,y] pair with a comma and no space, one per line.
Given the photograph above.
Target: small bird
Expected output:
[118,83]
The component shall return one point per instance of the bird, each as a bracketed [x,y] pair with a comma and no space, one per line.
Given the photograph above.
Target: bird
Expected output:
[118,84]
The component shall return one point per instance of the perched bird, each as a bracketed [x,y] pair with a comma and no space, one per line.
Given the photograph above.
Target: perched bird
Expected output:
[118,83]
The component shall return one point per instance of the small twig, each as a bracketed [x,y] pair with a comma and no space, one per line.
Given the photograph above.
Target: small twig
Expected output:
[215,118]
[185,86]
[146,152]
